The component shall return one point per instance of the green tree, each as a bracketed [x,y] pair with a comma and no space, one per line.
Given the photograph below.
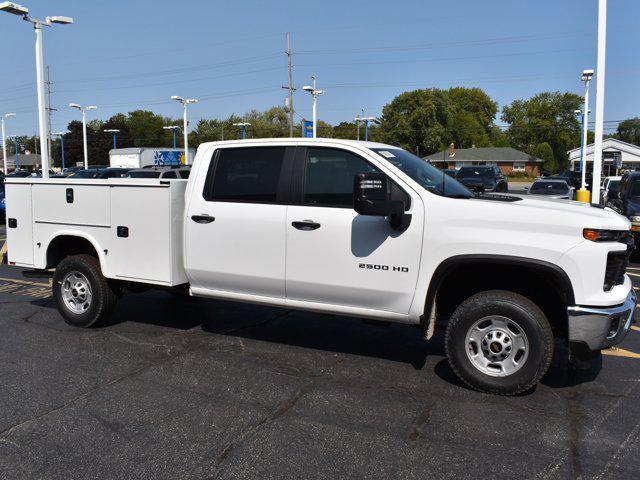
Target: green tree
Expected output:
[629,131]
[547,117]
[428,120]
[145,129]
[543,151]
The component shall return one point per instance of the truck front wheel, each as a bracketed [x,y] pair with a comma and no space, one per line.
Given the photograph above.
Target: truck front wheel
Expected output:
[499,342]
[83,295]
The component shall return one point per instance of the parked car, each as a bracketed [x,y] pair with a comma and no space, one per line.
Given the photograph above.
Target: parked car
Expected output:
[610,183]
[626,201]
[451,172]
[19,174]
[160,172]
[482,179]
[573,178]
[100,173]
[551,189]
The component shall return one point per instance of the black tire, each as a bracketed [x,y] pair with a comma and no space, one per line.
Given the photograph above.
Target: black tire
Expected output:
[519,312]
[103,297]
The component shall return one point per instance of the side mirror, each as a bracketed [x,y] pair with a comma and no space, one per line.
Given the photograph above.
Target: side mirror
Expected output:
[372,196]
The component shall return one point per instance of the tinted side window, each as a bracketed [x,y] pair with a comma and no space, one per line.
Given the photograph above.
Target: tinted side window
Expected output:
[245,175]
[170,175]
[328,176]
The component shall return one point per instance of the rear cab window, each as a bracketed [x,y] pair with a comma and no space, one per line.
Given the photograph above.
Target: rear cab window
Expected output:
[247,174]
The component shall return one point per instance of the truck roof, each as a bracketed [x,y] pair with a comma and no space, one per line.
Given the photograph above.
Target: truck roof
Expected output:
[300,140]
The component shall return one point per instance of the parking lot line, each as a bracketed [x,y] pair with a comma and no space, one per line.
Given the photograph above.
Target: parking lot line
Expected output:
[620,352]
[635,327]
[3,250]
[25,282]
[633,274]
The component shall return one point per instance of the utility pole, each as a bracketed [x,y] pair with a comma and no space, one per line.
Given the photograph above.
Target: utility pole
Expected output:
[49,110]
[291,89]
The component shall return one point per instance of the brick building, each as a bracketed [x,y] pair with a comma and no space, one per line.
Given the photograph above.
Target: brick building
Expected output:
[508,159]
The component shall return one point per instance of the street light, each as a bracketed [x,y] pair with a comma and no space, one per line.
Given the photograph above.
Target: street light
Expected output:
[84,129]
[244,126]
[174,128]
[185,103]
[61,135]
[314,93]
[16,9]
[579,112]
[16,164]
[582,194]
[4,142]
[366,121]
[115,132]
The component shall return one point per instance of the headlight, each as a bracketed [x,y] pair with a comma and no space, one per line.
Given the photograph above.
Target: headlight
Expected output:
[594,235]
[635,218]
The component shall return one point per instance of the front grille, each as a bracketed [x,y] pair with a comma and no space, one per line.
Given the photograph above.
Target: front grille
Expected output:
[617,263]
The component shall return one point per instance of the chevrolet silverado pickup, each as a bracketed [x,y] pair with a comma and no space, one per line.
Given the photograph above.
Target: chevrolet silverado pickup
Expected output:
[342,227]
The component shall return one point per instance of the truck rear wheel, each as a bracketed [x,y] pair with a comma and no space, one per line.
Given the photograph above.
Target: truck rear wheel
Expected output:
[499,342]
[83,294]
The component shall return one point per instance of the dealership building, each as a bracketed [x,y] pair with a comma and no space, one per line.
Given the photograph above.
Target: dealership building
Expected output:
[616,154]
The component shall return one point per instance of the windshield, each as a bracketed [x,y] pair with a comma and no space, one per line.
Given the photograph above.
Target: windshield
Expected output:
[549,188]
[429,177]
[466,172]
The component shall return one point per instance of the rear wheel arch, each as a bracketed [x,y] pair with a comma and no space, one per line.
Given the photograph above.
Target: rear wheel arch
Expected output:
[459,277]
[67,244]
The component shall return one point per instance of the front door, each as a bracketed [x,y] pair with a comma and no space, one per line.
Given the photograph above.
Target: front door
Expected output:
[235,229]
[334,255]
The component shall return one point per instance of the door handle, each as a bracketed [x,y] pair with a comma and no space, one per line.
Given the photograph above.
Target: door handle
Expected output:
[306,225]
[202,218]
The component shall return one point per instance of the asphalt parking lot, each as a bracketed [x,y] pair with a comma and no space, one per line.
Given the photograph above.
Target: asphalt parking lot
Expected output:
[207,389]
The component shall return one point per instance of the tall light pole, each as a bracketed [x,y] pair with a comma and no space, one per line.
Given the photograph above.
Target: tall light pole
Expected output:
[582,139]
[16,164]
[84,129]
[185,104]
[174,128]
[61,135]
[244,126]
[16,9]
[4,141]
[115,132]
[314,93]
[366,121]
[597,147]
[582,194]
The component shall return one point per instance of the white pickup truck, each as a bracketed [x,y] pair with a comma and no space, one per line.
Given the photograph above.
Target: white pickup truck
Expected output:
[344,227]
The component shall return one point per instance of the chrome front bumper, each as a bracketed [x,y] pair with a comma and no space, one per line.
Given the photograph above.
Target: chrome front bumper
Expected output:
[602,327]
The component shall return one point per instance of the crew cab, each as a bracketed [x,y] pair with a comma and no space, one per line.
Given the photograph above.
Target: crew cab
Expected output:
[342,227]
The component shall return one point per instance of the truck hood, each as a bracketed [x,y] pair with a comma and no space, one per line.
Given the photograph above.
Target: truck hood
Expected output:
[549,214]
[563,217]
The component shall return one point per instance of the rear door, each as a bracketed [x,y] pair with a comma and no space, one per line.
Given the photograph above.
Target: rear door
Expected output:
[19,223]
[235,227]
[334,255]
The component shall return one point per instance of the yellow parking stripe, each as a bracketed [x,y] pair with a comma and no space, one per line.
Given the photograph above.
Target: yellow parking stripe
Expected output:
[620,352]
[633,274]
[635,327]
[3,250]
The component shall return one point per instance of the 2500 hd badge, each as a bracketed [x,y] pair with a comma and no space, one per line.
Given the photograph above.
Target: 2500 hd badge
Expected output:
[372,266]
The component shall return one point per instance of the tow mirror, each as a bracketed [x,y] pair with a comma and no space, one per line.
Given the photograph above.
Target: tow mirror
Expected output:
[372,196]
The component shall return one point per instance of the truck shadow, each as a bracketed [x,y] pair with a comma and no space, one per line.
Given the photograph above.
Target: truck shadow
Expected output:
[329,333]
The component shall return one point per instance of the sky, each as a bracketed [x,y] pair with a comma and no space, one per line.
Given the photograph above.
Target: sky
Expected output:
[126,55]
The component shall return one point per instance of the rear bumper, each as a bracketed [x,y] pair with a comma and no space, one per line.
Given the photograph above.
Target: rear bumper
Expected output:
[601,327]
